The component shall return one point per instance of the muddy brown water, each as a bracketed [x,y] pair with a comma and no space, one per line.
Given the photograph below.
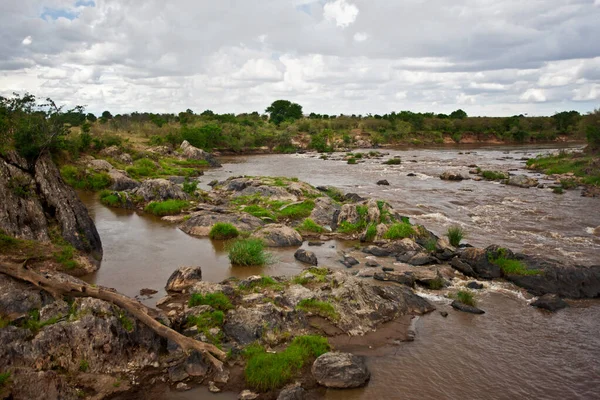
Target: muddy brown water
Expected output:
[512,352]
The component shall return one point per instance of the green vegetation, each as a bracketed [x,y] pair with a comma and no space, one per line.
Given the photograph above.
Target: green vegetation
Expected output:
[393,161]
[308,225]
[125,321]
[493,175]
[6,240]
[84,366]
[335,194]
[436,283]
[455,235]
[33,322]
[223,231]
[65,257]
[264,208]
[4,379]
[584,166]
[268,371]
[167,207]
[320,275]
[82,179]
[352,160]
[322,308]
[249,251]
[218,301]
[399,230]
[370,233]
[558,190]
[263,282]
[297,211]
[431,245]
[190,187]
[514,267]
[4,322]
[466,297]
[569,184]
[206,321]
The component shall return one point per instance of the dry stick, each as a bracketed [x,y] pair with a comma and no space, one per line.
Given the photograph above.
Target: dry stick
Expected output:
[138,310]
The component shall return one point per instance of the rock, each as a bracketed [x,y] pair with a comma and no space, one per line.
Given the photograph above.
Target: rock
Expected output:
[182,387]
[550,302]
[403,278]
[160,190]
[347,214]
[147,292]
[421,259]
[340,370]
[247,395]
[377,251]
[125,158]
[523,181]
[253,188]
[307,257]
[387,269]
[201,222]
[195,365]
[402,246]
[411,174]
[591,191]
[444,314]
[372,264]
[193,153]
[457,305]
[596,231]
[383,182]
[373,213]
[315,243]
[292,393]
[213,388]
[183,278]
[351,260]
[177,373]
[296,293]
[121,181]
[245,325]
[278,235]
[353,198]
[100,165]
[475,285]
[451,176]
[111,151]
[366,273]
[476,263]
[325,212]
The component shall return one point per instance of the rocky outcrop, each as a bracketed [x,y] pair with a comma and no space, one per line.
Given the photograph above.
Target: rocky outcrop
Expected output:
[183,278]
[246,325]
[340,370]
[278,235]
[193,153]
[160,190]
[201,222]
[33,197]
[550,302]
[523,181]
[121,181]
[325,212]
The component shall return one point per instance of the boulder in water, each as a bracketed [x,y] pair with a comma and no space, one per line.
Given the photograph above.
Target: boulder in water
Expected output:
[160,190]
[550,302]
[307,257]
[451,176]
[183,278]
[278,235]
[340,370]
[457,305]
[523,181]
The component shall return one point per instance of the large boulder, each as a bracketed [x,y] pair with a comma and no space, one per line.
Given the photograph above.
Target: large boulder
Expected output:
[278,235]
[307,257]
[325,212]
[246,325]
[523,181]
[193,153]
[476,262]
[349,214]
[121,181]
[183,278]
[160,190]
[340,370]
[201,222]
[550,302]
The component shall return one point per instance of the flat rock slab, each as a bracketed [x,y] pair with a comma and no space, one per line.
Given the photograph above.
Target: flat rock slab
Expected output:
[457,305]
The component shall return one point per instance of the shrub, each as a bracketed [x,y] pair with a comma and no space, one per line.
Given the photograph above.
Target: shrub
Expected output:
[431,245]
[322,308]
[81,179]
[455,235]
[223,231]
[436,283]
[65,257]
[558,190]
[466,297]
[142,168]
[250,251]
[352,160]
[84,365]
[167,207]
[308,225]
[399,230]
[268,371]
[218,301]
[393,161]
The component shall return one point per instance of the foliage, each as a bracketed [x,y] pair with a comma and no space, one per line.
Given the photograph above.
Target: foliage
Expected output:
[436,283]
[4,379]
[493,175]
[282,110]
[352,160]
[466,297]
[298,210]
[249,251]
[514,267]
[126,323]
[268,371]
[190,187]
[218,301]
[263,282]
[82,179]
[322,308]
[455,235]
[308,225]
[167,207]
[393,161]
[584,166]
[399,230]
[207,320]
[223,231]
[84,365]
[370,233]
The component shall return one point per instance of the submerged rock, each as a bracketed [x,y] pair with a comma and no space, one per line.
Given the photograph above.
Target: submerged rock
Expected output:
[475,285]
[457,305]
[307,257]
[340,370]
[292,393]
[383,182]
[550,302]
[183,278]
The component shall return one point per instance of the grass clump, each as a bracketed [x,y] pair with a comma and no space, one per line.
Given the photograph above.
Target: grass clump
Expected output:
[84,365]
[7,240]
[4,379]
[558,190]
[308,225]
[206,321]
[466,297]
[65,257]
[125,321]
[80,178]
[436,283]
[514,267]
[370,233]
[167,207]
[455,234]
[393,161]
[399,230]
[218,301]
[322,308]
[142,168]
[431,245]
[259,212]
[297,211]
[268,371]
[190,187]
[493,175]
[569,184]
[335,194]
[248,251]
[223,231]
[263,282]
[352,160]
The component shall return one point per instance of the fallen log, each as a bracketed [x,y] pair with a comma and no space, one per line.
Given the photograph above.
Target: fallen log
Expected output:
[138,310]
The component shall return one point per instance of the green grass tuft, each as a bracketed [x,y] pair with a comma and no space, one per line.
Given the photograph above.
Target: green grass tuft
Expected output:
[207,320]
[167,207]
[250,251]
[268,371]
[322,308]
[370,233]
[4,379]
[218,301]
[308,225]
[455,235]
[393,161]
[514,267]
[223,231]
[466,297]
[436,283]
[399,230]
[263,282]
[84,365]
[297,211]
[493,175]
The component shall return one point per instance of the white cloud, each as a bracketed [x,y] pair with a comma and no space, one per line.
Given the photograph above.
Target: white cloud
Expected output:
[340,11]
[360,36]
[27,41]
[533,95]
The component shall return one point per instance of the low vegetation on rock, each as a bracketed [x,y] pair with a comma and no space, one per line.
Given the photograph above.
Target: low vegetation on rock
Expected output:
[247,252]
[455,235]
[223,231]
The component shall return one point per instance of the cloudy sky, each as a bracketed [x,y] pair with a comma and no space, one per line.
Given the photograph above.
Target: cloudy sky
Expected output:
[488,57]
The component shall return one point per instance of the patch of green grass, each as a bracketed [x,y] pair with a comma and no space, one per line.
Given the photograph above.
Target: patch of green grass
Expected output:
[248,251]
[493,175]
[322,308]
[393,161]
[335,194]
[431,245]
[268,371]
[125,321]
[370,233]
[259,212]
[558,190]
[436,283]
[206,321]
[4,322]
[581,165]
[33,323]
[297,211]
[84,365]
[7,240]
[514,267]
[190,187]
[66,257]
[352,160]
[399,230]
[455,235]
[80,178]
[308,225]
[569,183]
[167,207]
[466,297]
[223,231]
[263,282]
[218,301]
[4,379]
[141,168]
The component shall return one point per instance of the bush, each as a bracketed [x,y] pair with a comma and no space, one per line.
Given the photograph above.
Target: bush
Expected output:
[268,371]
[455,235]
[370,233]
[466,297]
[218,301]
[167,207]
[223,231]
[79,178]
[250,251]
[399,230]
[352,160]
[142,168]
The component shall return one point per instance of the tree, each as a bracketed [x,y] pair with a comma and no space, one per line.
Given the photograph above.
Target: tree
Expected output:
[566,121]
[282,110]
[91,117]
[458,114]
[107,115]
[592,124]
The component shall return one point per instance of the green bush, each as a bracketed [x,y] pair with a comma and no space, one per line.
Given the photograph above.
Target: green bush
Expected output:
[218,301]
[352,160]
[84,366]
[223,231]
[250,251]
[142,168]
[399,230]
[4,379]
[455,235]
[268,371]
[167,207]
[322,308]
[466,297]
[308,225]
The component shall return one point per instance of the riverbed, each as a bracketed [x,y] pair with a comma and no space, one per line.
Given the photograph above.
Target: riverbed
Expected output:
[512,351]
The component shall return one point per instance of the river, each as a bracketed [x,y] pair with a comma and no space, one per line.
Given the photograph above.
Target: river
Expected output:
[512,351]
